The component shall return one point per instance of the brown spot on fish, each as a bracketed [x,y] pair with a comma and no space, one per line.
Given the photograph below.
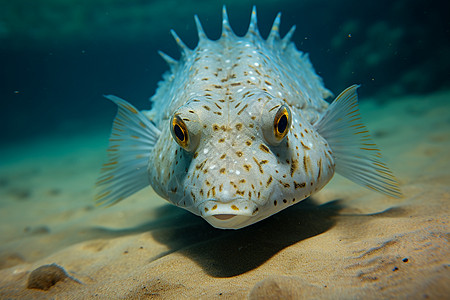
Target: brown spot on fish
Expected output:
[264,148]
[294,166]
[276,106]
[304,146]
[259,165]
[269,181]
[285,184]
[201,165]
[319,164]
[306,163]
[242,109]
[299,185]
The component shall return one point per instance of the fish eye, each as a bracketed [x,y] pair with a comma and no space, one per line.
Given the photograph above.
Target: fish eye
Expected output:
[281,122]
[180,132]
[277,120]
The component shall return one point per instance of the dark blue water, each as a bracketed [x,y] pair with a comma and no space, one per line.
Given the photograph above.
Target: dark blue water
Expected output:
[57,58]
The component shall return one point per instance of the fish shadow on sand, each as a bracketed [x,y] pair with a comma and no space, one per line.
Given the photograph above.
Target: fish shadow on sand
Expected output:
[227,253]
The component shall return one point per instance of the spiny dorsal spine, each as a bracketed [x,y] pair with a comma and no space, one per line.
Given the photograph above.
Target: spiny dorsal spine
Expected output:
[227,32]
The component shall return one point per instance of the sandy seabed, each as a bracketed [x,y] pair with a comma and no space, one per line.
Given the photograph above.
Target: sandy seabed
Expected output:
[345,242]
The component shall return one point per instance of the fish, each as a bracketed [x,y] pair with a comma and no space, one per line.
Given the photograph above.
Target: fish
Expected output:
[240,129]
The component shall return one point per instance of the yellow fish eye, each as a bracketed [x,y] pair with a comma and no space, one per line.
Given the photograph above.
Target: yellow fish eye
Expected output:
[180,132]
[281,122]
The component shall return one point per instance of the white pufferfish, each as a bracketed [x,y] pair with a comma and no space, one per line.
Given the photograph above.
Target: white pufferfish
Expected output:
[239,130]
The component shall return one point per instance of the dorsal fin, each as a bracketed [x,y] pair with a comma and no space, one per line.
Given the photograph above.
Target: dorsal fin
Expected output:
[253,27]
[287,38]
[201,33]
[226,28]
[274,32]
[180,43]
[169,60]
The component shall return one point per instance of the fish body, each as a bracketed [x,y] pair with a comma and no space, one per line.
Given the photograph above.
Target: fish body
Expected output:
[239,130]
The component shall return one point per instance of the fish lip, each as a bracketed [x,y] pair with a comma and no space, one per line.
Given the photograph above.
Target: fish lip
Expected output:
[220,211]
[224,217]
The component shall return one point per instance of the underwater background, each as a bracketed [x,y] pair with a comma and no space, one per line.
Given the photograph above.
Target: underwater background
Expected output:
[59,57]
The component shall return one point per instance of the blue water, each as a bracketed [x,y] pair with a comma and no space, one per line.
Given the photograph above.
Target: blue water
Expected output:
[58,58]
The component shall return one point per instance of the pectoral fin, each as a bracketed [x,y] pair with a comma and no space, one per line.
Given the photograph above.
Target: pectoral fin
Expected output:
[132,139]
[356,155]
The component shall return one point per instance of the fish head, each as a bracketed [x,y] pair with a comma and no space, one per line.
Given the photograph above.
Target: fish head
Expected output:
[243,158]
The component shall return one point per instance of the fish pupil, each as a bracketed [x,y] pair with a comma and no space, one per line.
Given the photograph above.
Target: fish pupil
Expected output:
[178,132]
[282,124]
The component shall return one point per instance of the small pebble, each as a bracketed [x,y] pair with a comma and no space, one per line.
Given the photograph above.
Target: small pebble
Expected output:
[46,276]
[405,260]
[395,269]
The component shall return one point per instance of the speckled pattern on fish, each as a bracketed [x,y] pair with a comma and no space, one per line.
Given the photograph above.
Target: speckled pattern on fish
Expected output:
[239,130]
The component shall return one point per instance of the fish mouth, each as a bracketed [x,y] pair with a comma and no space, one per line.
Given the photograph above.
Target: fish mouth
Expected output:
[233,214]
[224,216]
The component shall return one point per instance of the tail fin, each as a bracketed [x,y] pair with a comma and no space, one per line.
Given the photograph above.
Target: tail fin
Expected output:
[356,155]
[132,138]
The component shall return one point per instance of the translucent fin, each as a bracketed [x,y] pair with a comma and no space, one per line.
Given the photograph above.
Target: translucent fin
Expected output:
[226,28]
[169,60]
[253,27]
[287,38]
[201,32]
[180,43]
[132,138]
[274,32]
[356,155]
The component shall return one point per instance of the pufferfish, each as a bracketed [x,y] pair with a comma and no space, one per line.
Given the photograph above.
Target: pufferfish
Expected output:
[239,130]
